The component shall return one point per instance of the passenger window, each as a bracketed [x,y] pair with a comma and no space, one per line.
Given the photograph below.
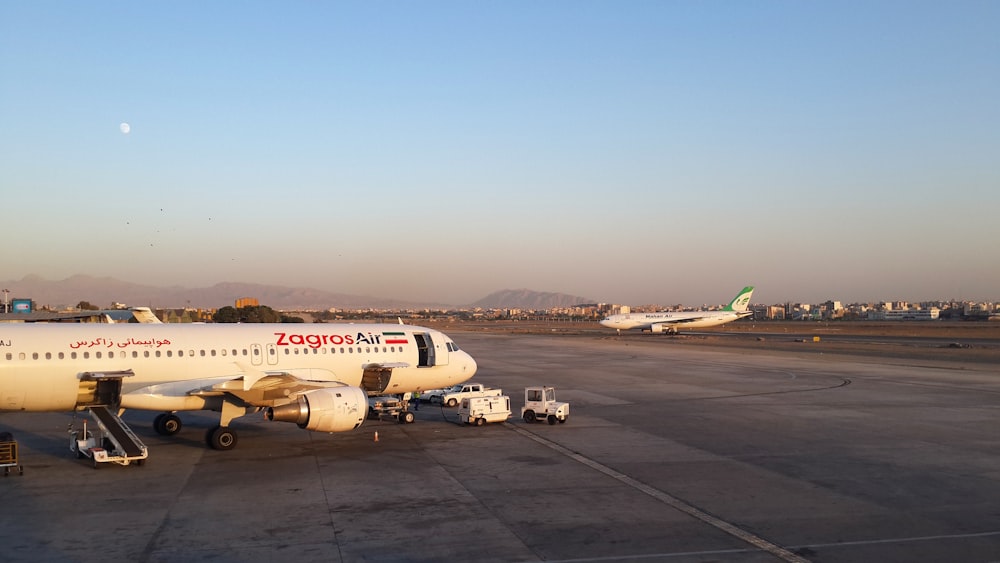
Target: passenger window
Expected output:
[135,354]
[212,352]
[34,355]
[158,354]
[256,351]
[145,353]
[10,356]
[86,355]
[170,353]
[48,355]
[61,355]
[97,355]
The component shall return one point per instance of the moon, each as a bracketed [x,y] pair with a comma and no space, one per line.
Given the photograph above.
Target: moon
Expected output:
[125,128]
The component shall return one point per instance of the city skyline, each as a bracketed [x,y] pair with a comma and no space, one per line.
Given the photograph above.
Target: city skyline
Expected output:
[633,153]
[127,293]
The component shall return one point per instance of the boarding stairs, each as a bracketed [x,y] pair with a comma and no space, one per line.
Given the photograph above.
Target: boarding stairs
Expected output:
[121,436]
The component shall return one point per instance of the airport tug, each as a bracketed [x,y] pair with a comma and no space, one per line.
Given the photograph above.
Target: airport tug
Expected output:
[540,404]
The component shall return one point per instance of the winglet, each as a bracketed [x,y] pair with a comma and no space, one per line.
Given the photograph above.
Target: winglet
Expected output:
[741,302]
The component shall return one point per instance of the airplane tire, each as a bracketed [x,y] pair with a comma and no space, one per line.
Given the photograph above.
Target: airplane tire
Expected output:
[552,419]
[406,417]
[171,424]
[529,416]
[158,424]
[221,438]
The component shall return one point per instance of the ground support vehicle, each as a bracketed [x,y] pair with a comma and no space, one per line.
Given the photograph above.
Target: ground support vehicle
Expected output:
[393,406]
[8,455]
[107,441]
[540,404]
[452,397]
[480,410]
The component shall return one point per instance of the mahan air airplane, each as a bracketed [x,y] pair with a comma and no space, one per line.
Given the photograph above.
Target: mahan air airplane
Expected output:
[673,321]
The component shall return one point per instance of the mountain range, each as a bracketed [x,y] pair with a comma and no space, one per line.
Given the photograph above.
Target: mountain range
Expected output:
[104,291]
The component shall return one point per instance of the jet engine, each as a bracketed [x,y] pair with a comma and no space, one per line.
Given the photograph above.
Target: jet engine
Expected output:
[336,409]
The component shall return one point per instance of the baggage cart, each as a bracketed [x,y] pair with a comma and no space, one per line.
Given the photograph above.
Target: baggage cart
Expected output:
[8,455]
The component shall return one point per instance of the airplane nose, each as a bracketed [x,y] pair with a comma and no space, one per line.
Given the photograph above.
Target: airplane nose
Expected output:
[469,366]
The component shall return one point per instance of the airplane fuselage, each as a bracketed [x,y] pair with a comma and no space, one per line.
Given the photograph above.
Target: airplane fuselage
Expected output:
[687,320]
[45,367]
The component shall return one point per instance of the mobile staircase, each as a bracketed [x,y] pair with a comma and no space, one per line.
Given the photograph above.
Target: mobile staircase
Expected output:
[111,442]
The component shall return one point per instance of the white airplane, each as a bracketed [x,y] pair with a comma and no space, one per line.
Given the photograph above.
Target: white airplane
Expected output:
[318,376]
[672,321]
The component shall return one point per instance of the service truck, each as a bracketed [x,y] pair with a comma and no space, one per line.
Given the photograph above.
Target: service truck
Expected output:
[540,404]
[452,397]
[394,406]
[480,410]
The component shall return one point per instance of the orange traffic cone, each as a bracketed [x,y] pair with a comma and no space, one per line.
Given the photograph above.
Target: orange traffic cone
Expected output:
[376,435]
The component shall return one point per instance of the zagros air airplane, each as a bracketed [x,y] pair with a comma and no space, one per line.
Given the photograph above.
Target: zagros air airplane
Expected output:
[318,376]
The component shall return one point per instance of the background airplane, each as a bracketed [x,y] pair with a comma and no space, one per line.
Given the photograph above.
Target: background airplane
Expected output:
[672,321]
[317,376]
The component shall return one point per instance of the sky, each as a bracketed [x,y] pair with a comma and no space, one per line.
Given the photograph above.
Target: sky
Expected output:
[628,152]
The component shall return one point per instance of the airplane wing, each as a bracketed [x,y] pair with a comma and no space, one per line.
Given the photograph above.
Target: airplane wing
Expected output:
[269,388]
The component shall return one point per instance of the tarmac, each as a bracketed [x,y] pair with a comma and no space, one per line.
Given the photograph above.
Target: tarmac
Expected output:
[671,453]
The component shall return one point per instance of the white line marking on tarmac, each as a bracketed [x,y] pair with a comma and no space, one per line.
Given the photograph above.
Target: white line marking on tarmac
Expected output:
[904,540]
[739,533]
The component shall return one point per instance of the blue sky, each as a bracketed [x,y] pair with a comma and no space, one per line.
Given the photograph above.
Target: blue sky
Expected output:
[630,152]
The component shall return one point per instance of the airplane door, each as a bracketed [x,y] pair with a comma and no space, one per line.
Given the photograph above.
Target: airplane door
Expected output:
[438,349]
[432,352]
[425,350]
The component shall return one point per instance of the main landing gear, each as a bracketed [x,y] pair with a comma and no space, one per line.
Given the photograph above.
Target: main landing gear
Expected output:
[167,424]
[221,438]
[218,437]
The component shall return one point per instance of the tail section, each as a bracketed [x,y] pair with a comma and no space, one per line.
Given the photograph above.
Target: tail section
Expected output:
[742,300]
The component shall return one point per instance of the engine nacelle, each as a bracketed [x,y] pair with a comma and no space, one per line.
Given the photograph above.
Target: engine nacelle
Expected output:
[336,409]
[662,328]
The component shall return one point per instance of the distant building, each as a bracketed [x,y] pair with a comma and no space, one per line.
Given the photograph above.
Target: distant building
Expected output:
[931,314]
[247,302]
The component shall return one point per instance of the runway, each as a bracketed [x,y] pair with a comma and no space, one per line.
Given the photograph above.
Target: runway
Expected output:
[672,453]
